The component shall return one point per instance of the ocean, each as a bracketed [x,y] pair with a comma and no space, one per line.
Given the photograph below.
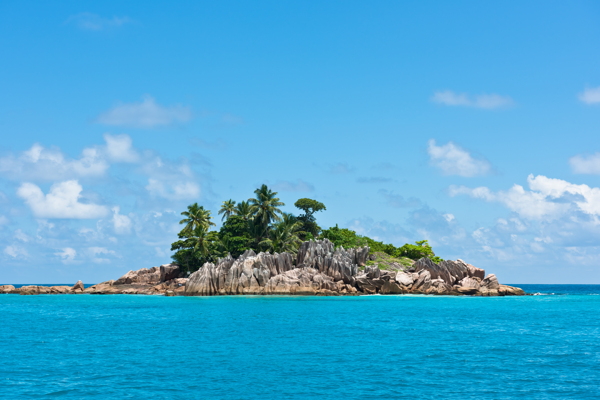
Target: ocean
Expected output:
[244,347]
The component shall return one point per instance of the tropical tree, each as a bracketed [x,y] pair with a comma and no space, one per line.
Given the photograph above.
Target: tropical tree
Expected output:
[308,220]
[265,206]
[196,216]
[227,209]
[243,210]
[283,237]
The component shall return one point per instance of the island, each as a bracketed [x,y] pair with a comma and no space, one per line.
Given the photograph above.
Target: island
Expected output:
[260,250]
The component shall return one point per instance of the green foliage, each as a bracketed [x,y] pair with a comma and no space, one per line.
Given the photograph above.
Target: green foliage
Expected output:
[196,216]
[343,237]
[309,206]
[264,208]
[418,250]
[308,220]
[194,248]
[283,237]
[349,238]
[227,209]
[260,225]
[234,236]
[243,210]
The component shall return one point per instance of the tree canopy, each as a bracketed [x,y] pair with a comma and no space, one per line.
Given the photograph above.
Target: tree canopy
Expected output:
[260,224]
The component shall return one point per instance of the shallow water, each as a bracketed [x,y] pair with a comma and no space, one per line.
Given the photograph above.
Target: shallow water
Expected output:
[367,347]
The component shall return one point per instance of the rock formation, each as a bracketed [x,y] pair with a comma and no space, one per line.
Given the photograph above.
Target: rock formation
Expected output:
[318,269]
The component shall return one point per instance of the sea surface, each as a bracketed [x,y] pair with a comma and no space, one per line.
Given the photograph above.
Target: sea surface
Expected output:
[368,347]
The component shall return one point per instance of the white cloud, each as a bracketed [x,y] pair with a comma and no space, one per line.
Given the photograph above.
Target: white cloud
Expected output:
[40,163]
[121,223]
[22,236]
[175,191]
[171,181]
[145,114]
[93,22]
[62,201]
[119,148]
[67,254]
[98,251]
[297,186]
[15,252]
[585,164]
[485,101]
[590,95]
[547,199]
[454,160]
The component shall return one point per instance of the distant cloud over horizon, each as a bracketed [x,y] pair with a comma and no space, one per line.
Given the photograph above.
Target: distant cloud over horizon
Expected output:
[590,95]
[452,159]
[145,114]
[484,101]
[94,22]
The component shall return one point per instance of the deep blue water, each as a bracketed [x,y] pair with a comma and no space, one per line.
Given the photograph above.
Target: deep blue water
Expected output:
[384,347]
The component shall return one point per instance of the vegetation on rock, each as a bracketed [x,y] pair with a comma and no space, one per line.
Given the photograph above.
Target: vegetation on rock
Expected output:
[260,225]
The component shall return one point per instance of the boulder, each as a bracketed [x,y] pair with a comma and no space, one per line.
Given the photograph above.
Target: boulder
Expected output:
[142,276]
[473,271]
[472,283]
[490,282]
[78,287]
[505,290]
[391,287]
[404,279]
[467,290]
[6,288]
[423,283]
[168,272]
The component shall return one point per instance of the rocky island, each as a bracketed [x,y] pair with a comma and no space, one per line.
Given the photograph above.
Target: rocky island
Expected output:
[317,269]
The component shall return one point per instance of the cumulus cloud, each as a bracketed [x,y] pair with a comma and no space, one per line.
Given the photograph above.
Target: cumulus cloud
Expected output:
[62,201]
[40,163]
[145,114]
[547,198]
[585,164]
[484,101]
[119,148]
[291,186]
[66,255]
[169,180]
[121,223]
[451,159]
[15,252]
[96,254]
[590,95]
[176,191]
[93,22]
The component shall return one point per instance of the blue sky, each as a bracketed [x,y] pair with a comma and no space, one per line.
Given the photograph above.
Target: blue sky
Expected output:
[470,124]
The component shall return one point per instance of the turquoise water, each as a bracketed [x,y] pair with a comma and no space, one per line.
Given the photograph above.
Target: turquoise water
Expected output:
[368,347]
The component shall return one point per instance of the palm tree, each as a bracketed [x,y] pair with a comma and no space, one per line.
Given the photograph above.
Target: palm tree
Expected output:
[264,207]
[227,209]
[199,240]
[196,216]
[284,235]
[243,210]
